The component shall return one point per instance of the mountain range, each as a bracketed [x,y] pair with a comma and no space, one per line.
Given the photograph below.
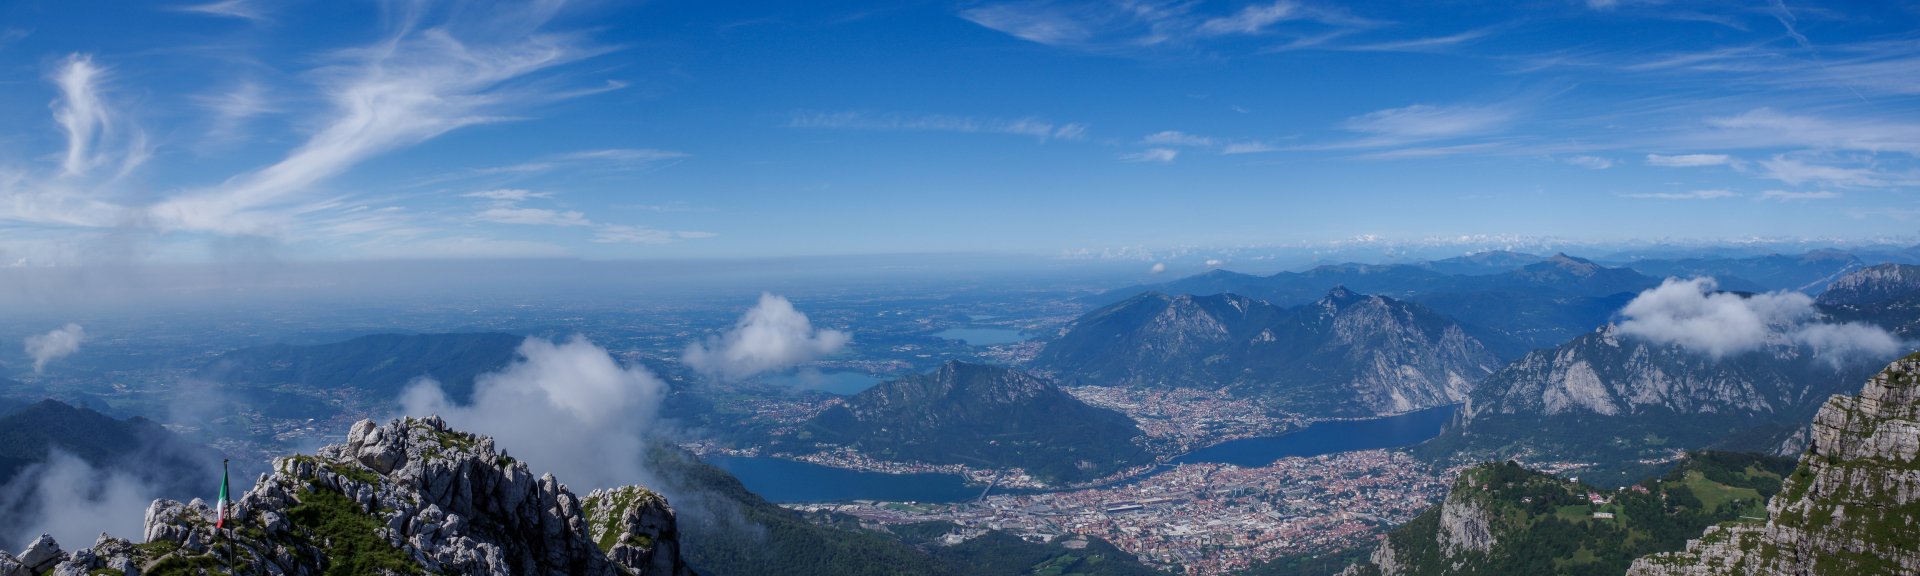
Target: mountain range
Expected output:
[29,434]
[981,415]
[1887,295]
[1346,354]
[1611,399]
[1846,507]
[379,366]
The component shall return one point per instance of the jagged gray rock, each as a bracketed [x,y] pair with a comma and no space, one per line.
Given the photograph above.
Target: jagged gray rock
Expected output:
[41,554]
[1852,507]
[11,566]
[414,494]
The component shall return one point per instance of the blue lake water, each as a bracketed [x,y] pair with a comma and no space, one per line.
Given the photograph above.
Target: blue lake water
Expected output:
[981,336]
[843,383]
[1328,438]
[781,480]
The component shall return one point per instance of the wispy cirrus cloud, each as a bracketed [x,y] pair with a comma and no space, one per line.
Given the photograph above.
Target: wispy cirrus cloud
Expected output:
[1031,127]
[1123,27]
[1177,138]
[621,234]
[1690,160]
[533,216]
[1692,195]
[1155,155]
[418,83]
[1588,162]
[241,9]
[1787,196]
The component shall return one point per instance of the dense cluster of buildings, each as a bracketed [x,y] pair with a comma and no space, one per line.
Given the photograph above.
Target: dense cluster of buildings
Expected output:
[1178,420]
[1210,518]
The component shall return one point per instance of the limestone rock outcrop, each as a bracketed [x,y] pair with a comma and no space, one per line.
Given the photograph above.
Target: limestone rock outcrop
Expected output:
[1852,507]
[410,496]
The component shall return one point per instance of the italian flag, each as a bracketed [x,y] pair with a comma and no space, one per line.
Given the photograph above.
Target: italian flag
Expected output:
[221,522]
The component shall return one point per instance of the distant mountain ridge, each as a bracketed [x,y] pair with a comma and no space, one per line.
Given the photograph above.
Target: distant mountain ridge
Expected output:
[1809,273]
[137,447]
[1346,354]
[983,415]
[381,365]
[1537,302]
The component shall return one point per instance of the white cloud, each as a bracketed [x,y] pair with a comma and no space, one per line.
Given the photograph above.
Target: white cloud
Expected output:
[1589,162]
[1249,147]
[1158,268]
[1786,196]
[71,500]
[1176,138]
[1767,128]
[622,234]
[234,107]
[508,194]
[567,408]
[1794,172]
[1694,195]
[627,155]
[54,345]
[1028,23]
[1160,155]
[1690,160]
[939,123]
[1121,27]
[242,9]
[417,83]
[1251,19]
[1421,121]
[80,113]
[1692,315]
[533,216]
[771,336]
[1215,263]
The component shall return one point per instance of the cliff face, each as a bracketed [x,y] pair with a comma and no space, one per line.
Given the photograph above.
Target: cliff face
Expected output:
[409,497]
[1852,506]
[1613,400]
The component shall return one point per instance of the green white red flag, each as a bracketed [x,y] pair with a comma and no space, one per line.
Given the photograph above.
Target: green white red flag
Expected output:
[223,505]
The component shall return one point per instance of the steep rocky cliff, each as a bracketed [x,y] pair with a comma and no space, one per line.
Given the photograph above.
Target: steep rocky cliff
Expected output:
[1852,506]
[408,497]
[1887,295]
[1608,399]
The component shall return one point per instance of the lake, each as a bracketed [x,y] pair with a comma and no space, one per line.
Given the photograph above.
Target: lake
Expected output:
[981,336]
[1328,438]
[842,383]
[787,481]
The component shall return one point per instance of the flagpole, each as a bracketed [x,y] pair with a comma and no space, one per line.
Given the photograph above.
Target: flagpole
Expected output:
[223,516]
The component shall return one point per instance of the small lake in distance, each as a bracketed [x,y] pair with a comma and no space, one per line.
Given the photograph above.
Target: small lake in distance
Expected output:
[842,383]
[981,336]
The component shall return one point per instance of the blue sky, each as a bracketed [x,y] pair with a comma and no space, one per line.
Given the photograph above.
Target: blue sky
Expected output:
[358,130]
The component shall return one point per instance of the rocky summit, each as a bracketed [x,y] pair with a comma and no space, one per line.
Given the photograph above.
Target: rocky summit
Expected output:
[1852,506]
[409,497]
